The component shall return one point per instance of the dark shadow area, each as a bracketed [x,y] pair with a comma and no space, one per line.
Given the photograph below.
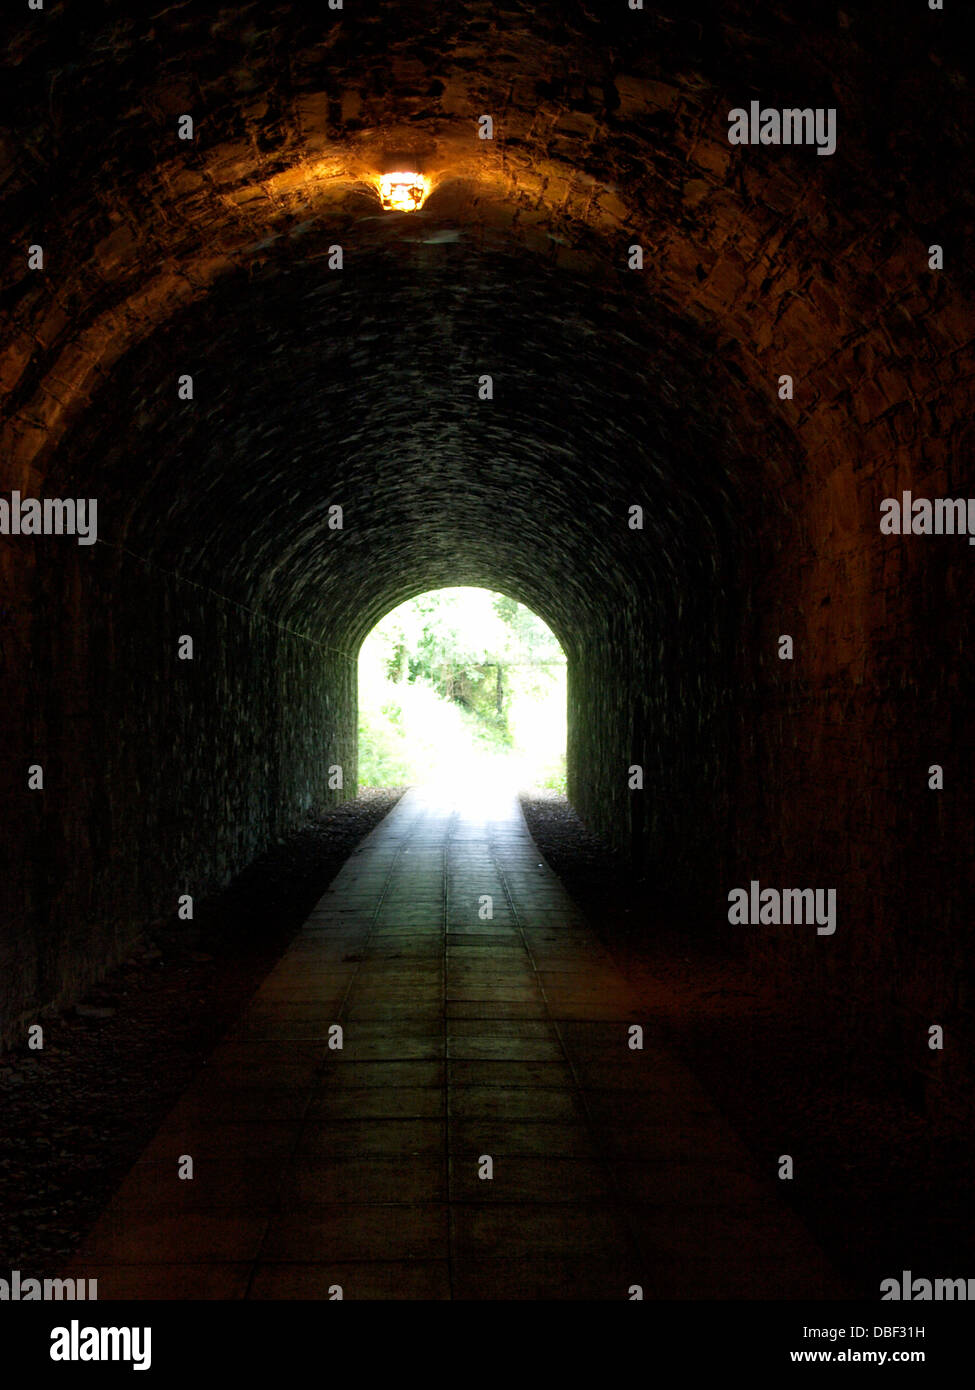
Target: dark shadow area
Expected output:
[77,1116]
[886,1166]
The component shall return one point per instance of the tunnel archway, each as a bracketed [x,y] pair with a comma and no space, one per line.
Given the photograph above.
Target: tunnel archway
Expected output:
[462,688]
[227,528]
[613,388]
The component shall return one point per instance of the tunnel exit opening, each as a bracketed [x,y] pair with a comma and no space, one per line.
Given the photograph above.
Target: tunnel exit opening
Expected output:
[462,689]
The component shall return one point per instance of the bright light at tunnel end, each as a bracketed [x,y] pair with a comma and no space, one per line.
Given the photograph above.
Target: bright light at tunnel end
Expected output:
[403,191]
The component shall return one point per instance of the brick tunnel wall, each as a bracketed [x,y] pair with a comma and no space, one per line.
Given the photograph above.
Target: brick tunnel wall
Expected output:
[613,388]
[831,782]
[162,776]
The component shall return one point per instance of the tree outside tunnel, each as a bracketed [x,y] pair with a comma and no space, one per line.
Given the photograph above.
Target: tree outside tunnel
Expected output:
[462,686]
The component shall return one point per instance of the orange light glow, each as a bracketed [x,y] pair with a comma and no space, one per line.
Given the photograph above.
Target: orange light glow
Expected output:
[403,192]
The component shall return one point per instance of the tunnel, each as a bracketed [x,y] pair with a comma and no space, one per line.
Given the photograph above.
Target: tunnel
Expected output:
[652,384]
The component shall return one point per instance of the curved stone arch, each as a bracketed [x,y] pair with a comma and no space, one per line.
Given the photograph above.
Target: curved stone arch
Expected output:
[417,589]
[605,134]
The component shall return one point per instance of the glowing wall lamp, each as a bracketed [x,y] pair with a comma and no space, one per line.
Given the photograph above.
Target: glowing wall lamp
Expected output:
[403,192]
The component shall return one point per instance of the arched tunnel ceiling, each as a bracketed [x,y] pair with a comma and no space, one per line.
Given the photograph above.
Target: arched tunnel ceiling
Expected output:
[359,386]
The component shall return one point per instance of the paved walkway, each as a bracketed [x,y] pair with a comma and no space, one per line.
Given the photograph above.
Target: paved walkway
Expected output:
[465,1038]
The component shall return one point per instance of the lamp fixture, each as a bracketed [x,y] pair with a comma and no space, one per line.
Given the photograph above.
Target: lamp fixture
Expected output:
[403,191]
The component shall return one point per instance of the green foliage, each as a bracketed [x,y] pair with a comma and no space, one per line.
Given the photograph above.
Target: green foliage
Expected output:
[456,673]
[554,778]
[384,754]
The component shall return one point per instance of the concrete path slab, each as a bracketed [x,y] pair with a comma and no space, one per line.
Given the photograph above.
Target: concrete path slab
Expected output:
[484,1027]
